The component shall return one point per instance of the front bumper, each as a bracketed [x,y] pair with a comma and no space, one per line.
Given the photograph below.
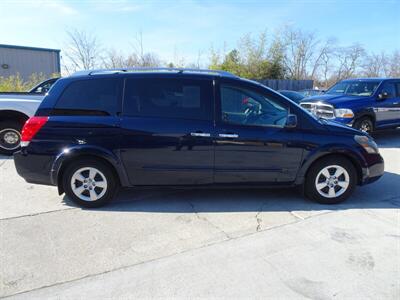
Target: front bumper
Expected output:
[34,168]
[346,121]
[375,169]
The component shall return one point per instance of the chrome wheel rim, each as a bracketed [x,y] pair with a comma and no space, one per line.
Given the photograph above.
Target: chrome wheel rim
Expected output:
[88,184]
[365,127]
[332,181]
[10,139]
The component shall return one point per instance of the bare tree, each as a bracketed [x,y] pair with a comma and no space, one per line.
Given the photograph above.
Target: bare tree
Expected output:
[82,51]
[179,60]
[141,58]
[348,61]
[321,63]
[113,59]
[374,65]
[392,66]
[299,50]
[136,58]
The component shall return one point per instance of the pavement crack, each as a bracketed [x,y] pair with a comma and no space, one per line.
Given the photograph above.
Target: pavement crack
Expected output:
[258,216]
[296,215]
[200,217]
[4,161]
[159,258]
[38,214]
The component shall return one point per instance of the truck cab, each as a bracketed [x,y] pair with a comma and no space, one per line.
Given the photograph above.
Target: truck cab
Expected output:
[365,104]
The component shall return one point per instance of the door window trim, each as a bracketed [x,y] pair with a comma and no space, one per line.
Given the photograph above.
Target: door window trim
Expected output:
[89,113]
[211,81]
[240,85]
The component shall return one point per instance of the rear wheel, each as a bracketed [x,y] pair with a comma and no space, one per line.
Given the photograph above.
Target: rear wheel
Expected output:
[364,124]
[331,180]
[10,137]
[89,183]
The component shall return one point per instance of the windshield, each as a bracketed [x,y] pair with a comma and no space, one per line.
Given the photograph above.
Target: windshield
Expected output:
[354,88]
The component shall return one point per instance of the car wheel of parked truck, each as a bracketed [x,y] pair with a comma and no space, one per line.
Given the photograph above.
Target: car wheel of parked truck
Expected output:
[89,183]
[10,137]
[364,124]
[331,180]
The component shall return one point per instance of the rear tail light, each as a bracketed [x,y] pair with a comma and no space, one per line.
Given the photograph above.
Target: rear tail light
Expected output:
[31,127]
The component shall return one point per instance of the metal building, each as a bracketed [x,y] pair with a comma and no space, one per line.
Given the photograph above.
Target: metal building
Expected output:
[28,60]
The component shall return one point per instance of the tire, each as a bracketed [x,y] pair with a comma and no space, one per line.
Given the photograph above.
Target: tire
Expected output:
[342,185]
[10,137]
[364,124]
[99,188]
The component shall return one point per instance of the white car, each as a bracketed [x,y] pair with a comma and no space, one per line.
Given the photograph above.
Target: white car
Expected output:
[15,109]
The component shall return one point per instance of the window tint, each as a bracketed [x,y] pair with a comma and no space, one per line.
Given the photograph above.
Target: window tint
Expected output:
[246,107]
[94,97]
[390,89]
[398,88]
[169,98]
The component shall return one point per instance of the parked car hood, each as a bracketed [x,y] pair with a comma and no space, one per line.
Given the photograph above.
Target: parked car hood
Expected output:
[334,99]
[339,127]
[20,97]
[26,104]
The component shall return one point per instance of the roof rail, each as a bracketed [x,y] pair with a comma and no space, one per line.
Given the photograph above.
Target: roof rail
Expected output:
[149,69]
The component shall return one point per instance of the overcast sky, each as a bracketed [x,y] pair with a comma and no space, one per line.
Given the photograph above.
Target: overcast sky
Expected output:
[187,27]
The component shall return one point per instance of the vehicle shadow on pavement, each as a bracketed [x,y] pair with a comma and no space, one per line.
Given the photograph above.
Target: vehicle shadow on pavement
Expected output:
[388,138]
[378,195]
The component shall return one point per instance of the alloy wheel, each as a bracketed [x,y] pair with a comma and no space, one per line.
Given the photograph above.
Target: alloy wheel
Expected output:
[332,181]
[88,184]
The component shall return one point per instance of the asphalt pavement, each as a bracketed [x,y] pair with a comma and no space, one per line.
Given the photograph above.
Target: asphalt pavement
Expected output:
[208,243]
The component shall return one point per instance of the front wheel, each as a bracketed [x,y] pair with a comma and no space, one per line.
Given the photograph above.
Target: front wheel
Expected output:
[331,180]
[89,183]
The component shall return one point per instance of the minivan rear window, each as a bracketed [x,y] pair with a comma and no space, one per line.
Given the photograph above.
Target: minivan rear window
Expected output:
[90,97]
[168,98]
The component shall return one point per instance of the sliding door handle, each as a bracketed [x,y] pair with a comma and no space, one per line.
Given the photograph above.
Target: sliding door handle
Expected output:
[200,134]
[228,135]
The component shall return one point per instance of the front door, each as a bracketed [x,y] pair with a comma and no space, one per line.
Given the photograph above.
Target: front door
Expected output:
[167,131]
[252,144]
[387,110]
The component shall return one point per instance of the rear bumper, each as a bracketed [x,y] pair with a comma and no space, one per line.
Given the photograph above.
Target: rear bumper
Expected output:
[34,168]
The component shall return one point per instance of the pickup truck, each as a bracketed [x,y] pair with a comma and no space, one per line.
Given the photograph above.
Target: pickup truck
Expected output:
[15,109]
[366,104]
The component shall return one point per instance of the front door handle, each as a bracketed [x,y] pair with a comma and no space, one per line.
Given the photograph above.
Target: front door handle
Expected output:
[228,135]
[200,134]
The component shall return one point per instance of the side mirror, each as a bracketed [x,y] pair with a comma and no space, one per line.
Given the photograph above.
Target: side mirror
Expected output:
[383,95]
[291,121]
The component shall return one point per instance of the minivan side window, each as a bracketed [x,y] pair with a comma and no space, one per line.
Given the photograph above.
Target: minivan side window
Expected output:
[90,97]
[168,98]
[247,107]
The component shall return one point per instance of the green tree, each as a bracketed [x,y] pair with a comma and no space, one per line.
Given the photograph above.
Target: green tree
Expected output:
[15,83]
[253,58]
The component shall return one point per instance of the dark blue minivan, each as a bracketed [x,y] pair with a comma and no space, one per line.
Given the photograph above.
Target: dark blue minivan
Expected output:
[366,104]
[100,130]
